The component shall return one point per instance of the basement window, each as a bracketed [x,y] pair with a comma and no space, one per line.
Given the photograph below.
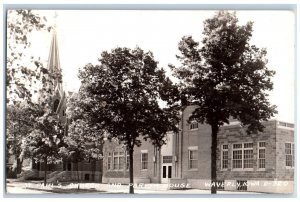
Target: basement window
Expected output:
[241,185]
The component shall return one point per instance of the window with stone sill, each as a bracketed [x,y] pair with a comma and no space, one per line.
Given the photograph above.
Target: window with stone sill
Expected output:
[261,155]
[289,155]
[224,156]
[144,160]
[242,156]
[193,159]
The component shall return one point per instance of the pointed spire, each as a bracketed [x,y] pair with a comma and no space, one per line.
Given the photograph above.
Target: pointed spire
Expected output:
[53,59]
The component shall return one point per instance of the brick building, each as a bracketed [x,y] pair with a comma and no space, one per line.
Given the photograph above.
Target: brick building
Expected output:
[257,162]
[151,165]
[261,162]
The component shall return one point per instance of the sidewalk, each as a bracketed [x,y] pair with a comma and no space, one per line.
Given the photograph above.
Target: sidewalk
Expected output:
[97,188]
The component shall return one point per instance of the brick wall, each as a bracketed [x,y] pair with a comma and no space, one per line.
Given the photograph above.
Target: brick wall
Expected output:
[275,138]
[200,138]
[283,136]
[235,134]
[151,173]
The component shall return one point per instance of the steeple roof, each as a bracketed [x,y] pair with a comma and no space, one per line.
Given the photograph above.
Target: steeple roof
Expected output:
[54,64]
[53,59]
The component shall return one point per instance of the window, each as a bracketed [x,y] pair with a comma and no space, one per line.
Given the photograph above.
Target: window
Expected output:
[118,160]
[261,155]
[144,160]
[167,159]
[109,161]
[242,156]
[55,105]
[122,160]
[224,156]
[194,125]
[237,156]
[193,159]
[220,184]
[289,155]
[248,155]
[241,185]
[293,153]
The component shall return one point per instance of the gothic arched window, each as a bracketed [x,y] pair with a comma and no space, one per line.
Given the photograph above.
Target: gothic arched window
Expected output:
[56,102]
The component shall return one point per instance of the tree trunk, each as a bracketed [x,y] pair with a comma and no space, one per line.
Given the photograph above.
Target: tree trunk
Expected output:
[159,163]
[20,166]
[131,188]
[45,172]
[214,130]
[78,181]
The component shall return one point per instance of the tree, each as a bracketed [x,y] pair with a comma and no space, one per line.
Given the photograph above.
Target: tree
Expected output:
[19,75]
[22,73]
[75,146]
[81,142]
[19,124]
[122,98]
[44,141]
[226,77]
[46,138]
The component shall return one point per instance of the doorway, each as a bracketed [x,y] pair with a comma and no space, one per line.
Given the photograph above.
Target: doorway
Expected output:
[166,172]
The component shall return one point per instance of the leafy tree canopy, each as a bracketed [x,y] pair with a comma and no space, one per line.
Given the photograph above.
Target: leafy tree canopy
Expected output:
[226,76]
[122,95]
[21,76]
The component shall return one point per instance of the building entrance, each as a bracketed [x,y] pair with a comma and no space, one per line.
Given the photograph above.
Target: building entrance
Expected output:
[166,172]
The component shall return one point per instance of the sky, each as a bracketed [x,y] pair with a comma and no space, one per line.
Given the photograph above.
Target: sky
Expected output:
[83,35]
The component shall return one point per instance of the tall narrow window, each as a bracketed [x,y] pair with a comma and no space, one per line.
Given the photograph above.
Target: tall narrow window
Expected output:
[109,161]
[248,155]
[116,161]
[144,160]
[193,159]
[293,153]
[237,156]
[121,160]
[55,105]
[224,156]
[289,155]
[261,155]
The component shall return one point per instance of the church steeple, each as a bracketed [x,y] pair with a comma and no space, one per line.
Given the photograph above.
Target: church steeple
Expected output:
[53,59]
[53,66]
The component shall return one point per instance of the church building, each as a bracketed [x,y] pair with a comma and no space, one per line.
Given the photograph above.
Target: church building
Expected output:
[89,171]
